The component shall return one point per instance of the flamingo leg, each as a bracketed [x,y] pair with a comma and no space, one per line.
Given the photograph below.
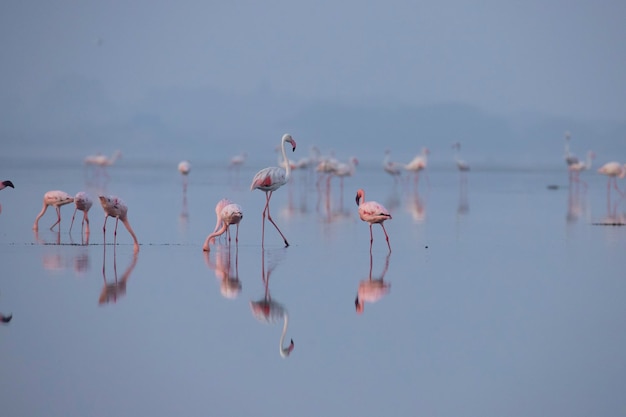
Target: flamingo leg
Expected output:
[237,234]
[58,218]
[85,221]
[72,223]
[269,217]
[117,220]
[104,230]
[386,236]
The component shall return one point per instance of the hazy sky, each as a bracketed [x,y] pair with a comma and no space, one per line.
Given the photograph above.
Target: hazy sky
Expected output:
[555,57]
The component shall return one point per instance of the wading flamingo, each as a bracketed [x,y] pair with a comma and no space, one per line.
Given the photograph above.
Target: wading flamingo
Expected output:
[83,202]
[418,164]
[372,212]
[100,161]
[57,199]
[270,179]
[3,185]
[114,207]
[230,214]
[392,168]
[460,163]
[613,170]
[576,168]
[184,167]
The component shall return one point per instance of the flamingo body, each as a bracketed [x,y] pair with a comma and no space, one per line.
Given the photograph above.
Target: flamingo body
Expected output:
[372,212]
[83,202]
[55,198]
[113,206]
[270,179]
[613,170]
[230,214]
[184,167]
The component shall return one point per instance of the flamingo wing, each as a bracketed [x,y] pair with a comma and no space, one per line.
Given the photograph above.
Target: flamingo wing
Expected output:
[268,179]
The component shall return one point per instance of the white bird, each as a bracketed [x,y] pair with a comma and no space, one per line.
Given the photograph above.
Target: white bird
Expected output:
[114,207]
[417,164]
[57,199]
[613,170]
[392,168]
[372,212]
[184,167]
[270,179]
[570,158]
[102,160]
[577,167]
[230,214]
[238,160]
[83,202]
[460,164]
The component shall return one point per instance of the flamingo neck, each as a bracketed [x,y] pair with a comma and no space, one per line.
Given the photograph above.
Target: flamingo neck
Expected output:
[287,165]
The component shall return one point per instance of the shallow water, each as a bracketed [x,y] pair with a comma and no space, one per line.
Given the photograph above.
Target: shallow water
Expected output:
[505,297]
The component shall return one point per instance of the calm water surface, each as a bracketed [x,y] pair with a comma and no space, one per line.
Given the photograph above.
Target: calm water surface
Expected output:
[505,298]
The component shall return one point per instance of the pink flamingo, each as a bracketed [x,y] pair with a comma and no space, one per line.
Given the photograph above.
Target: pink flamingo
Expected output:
[230,214]
[579,166]
[372,212]
[270,179]
[83,202]
[101,161]
[184,167]
[57,199]
[372,289]
[418,164]
[114,207]
[613,170]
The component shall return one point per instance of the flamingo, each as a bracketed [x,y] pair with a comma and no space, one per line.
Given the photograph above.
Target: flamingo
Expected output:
[570,158]
[577,167]
[101,161]
[184,167]
[238,160]
[613,170]
[3,185]
[57,199]
[372,212]
[372,289]
[392,168]
[269,311]
[230,214]
[114,207]
[270,179]
[418,164]
[460,164]
[83,202]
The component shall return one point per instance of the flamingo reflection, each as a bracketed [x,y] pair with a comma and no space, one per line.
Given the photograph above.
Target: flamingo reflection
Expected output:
[269,311]
[372,289]
[416,206]
[230,285]
[111,291]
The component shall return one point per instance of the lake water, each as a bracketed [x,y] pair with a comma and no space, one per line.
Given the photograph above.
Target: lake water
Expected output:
[505,297]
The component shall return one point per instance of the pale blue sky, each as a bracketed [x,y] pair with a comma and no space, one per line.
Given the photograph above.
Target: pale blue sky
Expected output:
[554,57]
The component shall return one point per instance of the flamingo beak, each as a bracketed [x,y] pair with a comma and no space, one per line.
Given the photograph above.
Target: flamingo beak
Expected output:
[8,183]
[6,319]
[293,144]
[357,199]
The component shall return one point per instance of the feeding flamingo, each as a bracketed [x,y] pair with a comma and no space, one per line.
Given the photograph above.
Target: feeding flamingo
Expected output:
[270,179]
[613,170]
[372,212]
[57,199]
[114,207]
[83,202]
[3,185]
[230,214]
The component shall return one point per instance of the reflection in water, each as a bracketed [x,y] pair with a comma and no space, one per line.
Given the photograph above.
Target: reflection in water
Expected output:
[612,216]
[5,318]
[576,206]
[183,217]
[463,206]
[269,311]
[416,206]
[58,259]
[372,289]
[111,291]
[230,285]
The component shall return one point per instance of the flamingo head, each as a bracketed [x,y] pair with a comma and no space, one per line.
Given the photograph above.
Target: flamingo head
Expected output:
[358,305]
[284,352]
[287,138]
[359,196]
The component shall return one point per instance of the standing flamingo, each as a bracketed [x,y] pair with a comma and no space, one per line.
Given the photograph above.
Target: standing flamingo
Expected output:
[114,207]
[184,167]
[100,161]
[460,163]
[230,214]
[418,164]
[57,199]
[372,289]
[372,212]
[613,170]
[270,179]
[392,168]
[83,202]
[579,166]
[269,311]
[3,185]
